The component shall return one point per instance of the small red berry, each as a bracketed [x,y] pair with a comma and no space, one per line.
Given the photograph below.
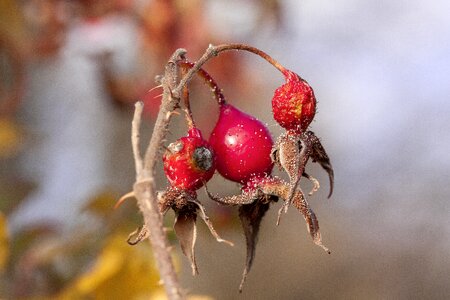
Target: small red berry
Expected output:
[294,103]
[242,145]
[189,161]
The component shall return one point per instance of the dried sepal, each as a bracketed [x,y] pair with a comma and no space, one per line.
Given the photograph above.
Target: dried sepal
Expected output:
[186,232]
[186,206]
[311,220]
[168,199]
[281,189]
[291,154]
[318,154]
[208,223]
[241,199]
[251,216]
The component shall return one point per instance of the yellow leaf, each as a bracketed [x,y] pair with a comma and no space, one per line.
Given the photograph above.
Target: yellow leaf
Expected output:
[102,204]
[120,271]
[4,245]
[161,295]
[10,136]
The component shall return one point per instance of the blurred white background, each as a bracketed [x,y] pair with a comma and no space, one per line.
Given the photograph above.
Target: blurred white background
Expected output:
[381,73]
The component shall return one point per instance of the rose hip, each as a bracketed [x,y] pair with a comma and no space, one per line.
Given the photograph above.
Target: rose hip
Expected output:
[294,103]
[189,161]
[242,145]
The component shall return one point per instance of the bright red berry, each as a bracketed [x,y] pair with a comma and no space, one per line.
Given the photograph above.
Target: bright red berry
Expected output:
[294,103]
[189,161]
[242,145]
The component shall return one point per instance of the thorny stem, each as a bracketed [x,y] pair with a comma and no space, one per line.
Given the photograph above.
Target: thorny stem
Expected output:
[144,188]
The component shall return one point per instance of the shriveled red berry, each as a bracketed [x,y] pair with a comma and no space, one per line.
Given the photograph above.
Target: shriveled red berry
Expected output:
[242,145]
[189,161]
[294,103]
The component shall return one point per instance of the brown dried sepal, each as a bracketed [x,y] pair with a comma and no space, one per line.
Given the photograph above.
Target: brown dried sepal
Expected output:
[320,156]
[281,189]
[291,152]
[186,207]
[254,203]
[251,216]
[186,232]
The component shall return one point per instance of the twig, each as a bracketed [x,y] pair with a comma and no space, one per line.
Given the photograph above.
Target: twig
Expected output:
[136,125]
[169,103]
[144,188]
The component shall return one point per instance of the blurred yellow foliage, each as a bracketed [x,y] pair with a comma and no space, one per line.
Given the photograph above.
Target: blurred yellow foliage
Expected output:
[4,245]
[162,296]
[121,271]
[10,137]
[102,204]
[11,20]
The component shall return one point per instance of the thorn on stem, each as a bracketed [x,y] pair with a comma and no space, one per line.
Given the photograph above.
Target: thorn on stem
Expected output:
[154,88]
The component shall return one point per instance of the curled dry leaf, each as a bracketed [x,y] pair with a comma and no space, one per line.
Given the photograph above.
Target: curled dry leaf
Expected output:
[279,188]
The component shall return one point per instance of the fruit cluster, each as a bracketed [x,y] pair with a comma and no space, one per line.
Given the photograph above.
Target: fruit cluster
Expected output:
[242,150]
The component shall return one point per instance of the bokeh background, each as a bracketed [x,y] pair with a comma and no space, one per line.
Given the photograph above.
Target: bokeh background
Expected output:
[71,70]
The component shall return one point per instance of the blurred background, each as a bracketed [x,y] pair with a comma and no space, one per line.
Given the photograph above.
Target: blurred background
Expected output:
[72,69]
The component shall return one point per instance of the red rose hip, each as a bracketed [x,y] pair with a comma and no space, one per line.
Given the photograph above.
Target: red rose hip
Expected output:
[294,103]
[242,145]
[189,161]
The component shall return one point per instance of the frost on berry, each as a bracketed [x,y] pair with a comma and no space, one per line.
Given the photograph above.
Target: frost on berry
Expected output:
[294,103]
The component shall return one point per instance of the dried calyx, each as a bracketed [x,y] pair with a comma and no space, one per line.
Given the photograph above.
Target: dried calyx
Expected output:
[186,207]
[243,146]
